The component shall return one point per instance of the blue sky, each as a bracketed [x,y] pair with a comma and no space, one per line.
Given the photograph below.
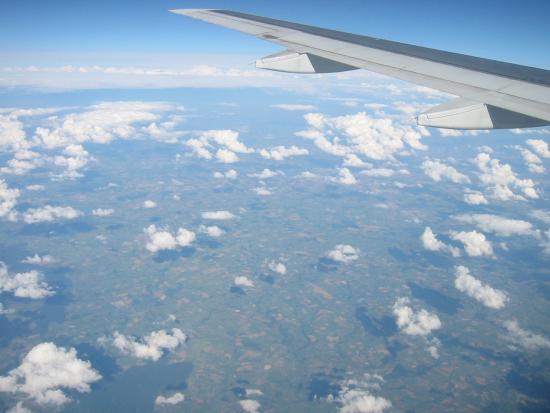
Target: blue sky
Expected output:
[38,31]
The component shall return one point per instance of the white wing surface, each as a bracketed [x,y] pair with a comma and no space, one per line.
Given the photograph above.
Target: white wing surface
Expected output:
[492,94]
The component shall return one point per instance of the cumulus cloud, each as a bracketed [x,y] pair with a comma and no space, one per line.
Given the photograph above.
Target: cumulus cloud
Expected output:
[343,253]
[45,371]
[293,107]
[150,347]
[525,338]
[379,172]
[23,162]
[485,294]
[250,406]
[355,396]
[231,174]
[49,213]
[102,123]
[218,215]
[158,239]
[266,174]
[420,323]
[541,215]
[533,162]
[172,400]
[437,170]
[8,200]
[277,267]
[29,284]
[103,212]
[345,177]
[431,243]
[39,260]
[362,135]
[539,146]
[226,141]
[475,243]
[500,179]
[242,281]
[35,187]
[148,204]
[212,231]
[472,197]
[262,191]
[12,134]
[498,225]
[280,153]
[353,161]
[19,408]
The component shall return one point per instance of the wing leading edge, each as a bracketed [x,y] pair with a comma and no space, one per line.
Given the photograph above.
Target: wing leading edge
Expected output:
[493,94]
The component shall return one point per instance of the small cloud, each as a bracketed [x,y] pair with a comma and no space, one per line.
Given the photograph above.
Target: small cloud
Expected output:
[266,174]
[218,215]
[485,294]
[280,153]
[29,284]
[525,338]
[103,212]
[172,400]
[45,371]
[472,197]
[242,281]
[475,243]
[250,406]
[499,225]
[40,260]
[212,231]
[420,323]
[343,253]
[431,243]
[437,170]
[539,146]
[231,174]
[345,177]
[293,107]
[149,204]
[262,191]
[49,214]
[150,347]
[226,156]
[277,267]
[159,240]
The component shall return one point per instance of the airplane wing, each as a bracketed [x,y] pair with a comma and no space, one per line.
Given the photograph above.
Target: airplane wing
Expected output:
[492,94]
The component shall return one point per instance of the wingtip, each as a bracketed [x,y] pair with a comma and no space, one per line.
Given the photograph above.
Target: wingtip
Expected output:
[188,12]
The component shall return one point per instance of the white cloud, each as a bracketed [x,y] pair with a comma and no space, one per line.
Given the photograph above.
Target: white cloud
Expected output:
[539,146]
[29,284]
[541,215]
[293,107]
[218,215]
[158,240]
[499,178]
[172,400]
[39,260]
[226,156]
[8,200]
[379,172]
[431,243]
[250,406]
[485,294]
[420,323]
[277,267]
[262,191]
[498,225]
[12,134]
[49,214]
[356,396]
[437,170]
[280,153]
[360,134]
[212,231]
[35,187]
[472,197]
[475,243]
[533,162]
[345,177]
[343,253]
[231,174]
[525,338]
[266,174]
[103,212]
[242,281]
[148,204]
[353,161]
[150,347]
[45,371]
[102,123]
[227,141]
